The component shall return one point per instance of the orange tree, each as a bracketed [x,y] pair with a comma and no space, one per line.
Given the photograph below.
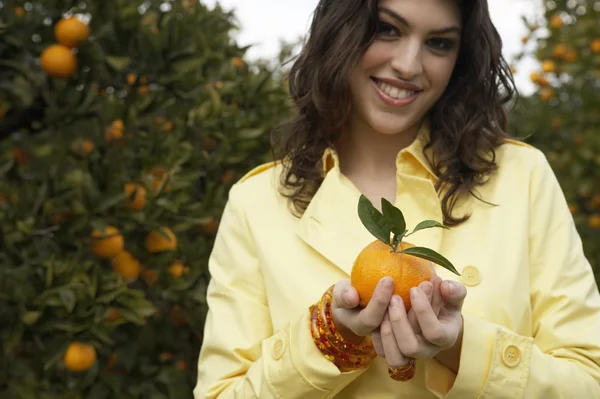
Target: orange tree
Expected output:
[123,124]
[562,115]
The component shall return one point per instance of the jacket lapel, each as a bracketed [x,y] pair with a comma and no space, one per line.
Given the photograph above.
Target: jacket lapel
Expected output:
[331,225]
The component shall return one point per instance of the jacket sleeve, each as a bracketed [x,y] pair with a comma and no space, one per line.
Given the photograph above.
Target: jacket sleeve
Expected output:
[562,358]
[241,355]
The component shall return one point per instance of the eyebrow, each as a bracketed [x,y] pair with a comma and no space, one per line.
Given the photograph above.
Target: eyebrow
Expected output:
[404,22]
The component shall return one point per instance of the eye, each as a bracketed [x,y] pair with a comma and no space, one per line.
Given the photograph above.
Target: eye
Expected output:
[385,29]
[441,44]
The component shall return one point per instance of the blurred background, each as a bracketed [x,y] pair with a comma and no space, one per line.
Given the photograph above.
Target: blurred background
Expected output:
[123,125]
[264,23]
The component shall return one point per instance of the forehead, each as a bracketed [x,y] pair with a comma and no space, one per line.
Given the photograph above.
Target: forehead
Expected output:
[425,12]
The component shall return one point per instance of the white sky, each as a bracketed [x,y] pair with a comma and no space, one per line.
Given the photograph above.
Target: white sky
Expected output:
[265,22]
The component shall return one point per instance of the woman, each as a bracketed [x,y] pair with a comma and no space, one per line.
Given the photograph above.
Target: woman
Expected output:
[403,100]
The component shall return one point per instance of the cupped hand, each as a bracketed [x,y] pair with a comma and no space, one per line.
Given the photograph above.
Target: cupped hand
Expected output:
[433,324]
[353,322]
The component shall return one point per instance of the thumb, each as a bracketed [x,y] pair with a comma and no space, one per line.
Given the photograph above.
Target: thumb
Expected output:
[345,295]
[453,294]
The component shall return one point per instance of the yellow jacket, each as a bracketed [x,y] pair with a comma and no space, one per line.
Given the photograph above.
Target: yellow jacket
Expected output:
[531,315]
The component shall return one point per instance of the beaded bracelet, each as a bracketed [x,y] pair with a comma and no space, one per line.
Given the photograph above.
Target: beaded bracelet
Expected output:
[346,356]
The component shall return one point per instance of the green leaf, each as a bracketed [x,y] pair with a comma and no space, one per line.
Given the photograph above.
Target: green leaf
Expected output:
[31,317]
[427,224]
[118,63]
[431,255]
[373,220]
[250,133]
[394,217]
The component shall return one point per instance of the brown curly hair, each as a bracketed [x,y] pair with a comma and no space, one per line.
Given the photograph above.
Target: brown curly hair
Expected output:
[467,123]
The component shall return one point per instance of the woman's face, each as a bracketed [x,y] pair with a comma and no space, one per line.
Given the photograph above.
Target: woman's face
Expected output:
[407,67]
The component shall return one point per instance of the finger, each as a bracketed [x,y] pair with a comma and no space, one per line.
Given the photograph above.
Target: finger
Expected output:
[436,301]
[393,355]
[431,328]
[377,344]
[371,316]
[427,287]
[453,294]
[409,343]
[344,295]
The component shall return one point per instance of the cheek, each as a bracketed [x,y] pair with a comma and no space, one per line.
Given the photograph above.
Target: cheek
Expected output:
[439,72]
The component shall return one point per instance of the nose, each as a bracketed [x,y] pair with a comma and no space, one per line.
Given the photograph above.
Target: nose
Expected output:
[407,61]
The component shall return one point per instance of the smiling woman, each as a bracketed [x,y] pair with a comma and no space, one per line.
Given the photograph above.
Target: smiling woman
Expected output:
[400,101]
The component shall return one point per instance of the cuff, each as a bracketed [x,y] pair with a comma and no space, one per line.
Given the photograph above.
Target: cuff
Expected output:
[293,359]
[479,338]
[493,359]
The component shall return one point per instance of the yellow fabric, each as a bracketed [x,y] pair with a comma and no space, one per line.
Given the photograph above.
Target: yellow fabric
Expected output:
[531,316]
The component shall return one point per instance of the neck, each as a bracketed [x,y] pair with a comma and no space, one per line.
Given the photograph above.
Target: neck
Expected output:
[365,151]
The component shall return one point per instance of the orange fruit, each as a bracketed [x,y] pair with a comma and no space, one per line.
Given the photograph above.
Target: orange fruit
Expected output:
[559,51]
[595,46]
[83,147]
[135,201]
[58,61]
[237,62]
[107,243]
[165,356]
[546,94]
[227,177]
[377,260]
[570,55]
[150,276]
[125,264]
[112,315]
[594,221]
[181,365]
[596,201]
[131,78]
[548,67]
[79,357]
[2,199]
[209,226]
[556,21]
[177,269]
[162,239]
[19,156]
[19,11]
[71,32]
[113,135]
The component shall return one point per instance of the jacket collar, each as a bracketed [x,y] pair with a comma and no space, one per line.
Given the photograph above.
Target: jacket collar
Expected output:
[331,226]
[416,150]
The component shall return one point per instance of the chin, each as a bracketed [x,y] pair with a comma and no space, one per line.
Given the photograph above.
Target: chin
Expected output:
[390,125]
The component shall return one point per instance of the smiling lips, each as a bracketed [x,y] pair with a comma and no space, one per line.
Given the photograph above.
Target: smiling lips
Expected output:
[394,95]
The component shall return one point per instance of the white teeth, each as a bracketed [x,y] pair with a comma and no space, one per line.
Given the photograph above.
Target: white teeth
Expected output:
[395,92]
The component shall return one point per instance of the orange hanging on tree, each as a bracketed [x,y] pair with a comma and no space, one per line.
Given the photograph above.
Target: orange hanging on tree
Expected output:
[71,32]
[79,357]
[58,61]
[107,243]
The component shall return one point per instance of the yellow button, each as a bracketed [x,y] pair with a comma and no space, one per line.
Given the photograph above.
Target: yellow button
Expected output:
[471,276]
[511,356]
[278,349]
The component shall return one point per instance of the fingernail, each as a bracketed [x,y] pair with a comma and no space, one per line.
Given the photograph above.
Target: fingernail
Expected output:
[387,283]
[396,300]
[427,288]
[451,287]
[414,293]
